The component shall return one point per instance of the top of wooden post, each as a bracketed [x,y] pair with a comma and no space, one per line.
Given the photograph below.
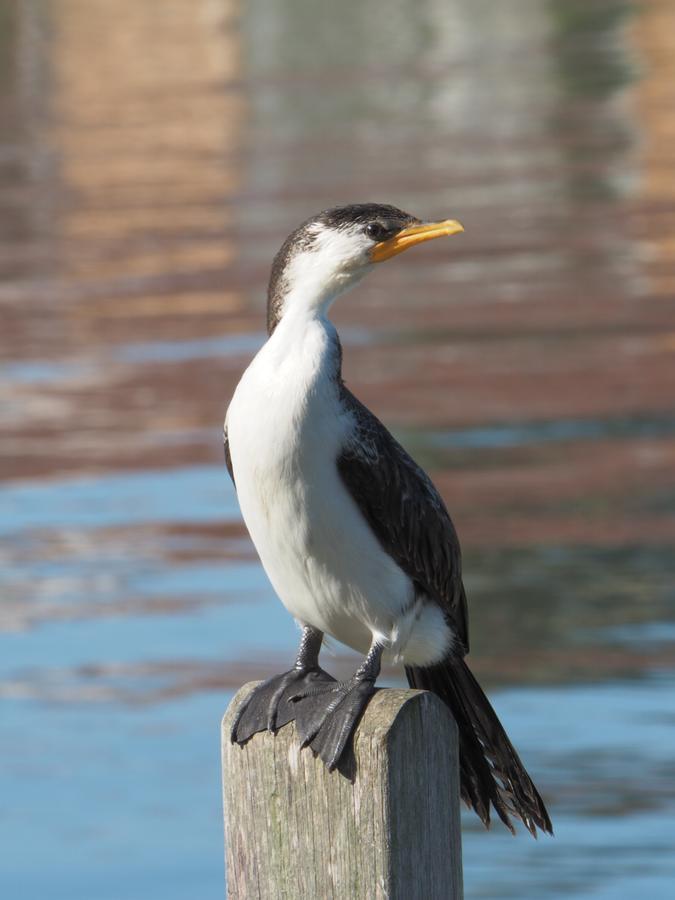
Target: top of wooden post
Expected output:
[390,830]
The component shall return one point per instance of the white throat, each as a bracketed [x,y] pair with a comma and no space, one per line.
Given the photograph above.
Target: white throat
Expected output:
[316,276]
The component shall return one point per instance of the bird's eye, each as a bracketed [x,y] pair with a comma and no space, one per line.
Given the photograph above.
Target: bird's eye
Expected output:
[376,231]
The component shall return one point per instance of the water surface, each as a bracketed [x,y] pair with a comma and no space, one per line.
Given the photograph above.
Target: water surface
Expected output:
[152,159]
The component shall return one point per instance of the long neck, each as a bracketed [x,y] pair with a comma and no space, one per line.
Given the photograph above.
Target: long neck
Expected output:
[304,283]
[308,298]
[305,338]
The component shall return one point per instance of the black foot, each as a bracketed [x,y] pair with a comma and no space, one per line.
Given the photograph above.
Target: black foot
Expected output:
[327,714]
[267,708]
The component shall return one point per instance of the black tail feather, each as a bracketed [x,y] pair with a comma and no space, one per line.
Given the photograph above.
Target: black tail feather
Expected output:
[491,772]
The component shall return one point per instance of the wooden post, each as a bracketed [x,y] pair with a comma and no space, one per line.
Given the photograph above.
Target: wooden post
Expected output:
[294,831]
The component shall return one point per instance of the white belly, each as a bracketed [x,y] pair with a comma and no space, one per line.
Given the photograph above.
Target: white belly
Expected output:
[285,430]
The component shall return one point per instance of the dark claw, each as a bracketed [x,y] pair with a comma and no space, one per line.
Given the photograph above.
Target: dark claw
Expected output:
[268,707]
[327,715]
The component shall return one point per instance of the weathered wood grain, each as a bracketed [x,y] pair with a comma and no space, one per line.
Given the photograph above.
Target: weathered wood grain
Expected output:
[294,831]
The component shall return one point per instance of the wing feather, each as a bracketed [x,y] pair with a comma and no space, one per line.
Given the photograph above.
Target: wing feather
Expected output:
[406,512]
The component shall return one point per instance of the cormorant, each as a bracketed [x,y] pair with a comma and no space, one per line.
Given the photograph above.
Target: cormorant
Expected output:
[354,537]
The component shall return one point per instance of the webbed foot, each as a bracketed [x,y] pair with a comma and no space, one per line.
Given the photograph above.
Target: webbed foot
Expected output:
[268,707]
[326,715]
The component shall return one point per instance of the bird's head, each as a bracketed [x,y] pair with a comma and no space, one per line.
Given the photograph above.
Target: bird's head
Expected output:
[333,250]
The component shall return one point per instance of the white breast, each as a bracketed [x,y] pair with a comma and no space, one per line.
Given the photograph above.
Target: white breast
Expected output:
[286,428]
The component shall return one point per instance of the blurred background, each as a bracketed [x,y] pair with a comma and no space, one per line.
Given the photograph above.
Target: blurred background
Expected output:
[153,156]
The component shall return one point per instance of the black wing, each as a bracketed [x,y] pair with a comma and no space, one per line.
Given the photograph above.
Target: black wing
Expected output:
[228,458]
[406,512]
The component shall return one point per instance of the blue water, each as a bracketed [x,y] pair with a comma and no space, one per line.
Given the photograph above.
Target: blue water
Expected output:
[196,494]
[522,434]
[129,797]
[109,729]
[112,697]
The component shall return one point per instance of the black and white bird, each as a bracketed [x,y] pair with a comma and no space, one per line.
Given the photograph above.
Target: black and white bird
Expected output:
[352,533]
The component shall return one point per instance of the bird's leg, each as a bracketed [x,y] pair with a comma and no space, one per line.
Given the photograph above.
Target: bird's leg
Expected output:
[267,708]
[328,713]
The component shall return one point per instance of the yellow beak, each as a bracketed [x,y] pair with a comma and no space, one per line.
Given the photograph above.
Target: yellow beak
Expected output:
[414,234]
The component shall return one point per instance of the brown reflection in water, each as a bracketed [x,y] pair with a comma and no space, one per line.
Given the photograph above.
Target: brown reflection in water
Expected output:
[159,152]
[597,493]
[138,108]
[147,140]
[653,34]
[27,161]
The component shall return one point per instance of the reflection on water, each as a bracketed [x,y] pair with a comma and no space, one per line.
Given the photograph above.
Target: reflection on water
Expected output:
[152,158]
